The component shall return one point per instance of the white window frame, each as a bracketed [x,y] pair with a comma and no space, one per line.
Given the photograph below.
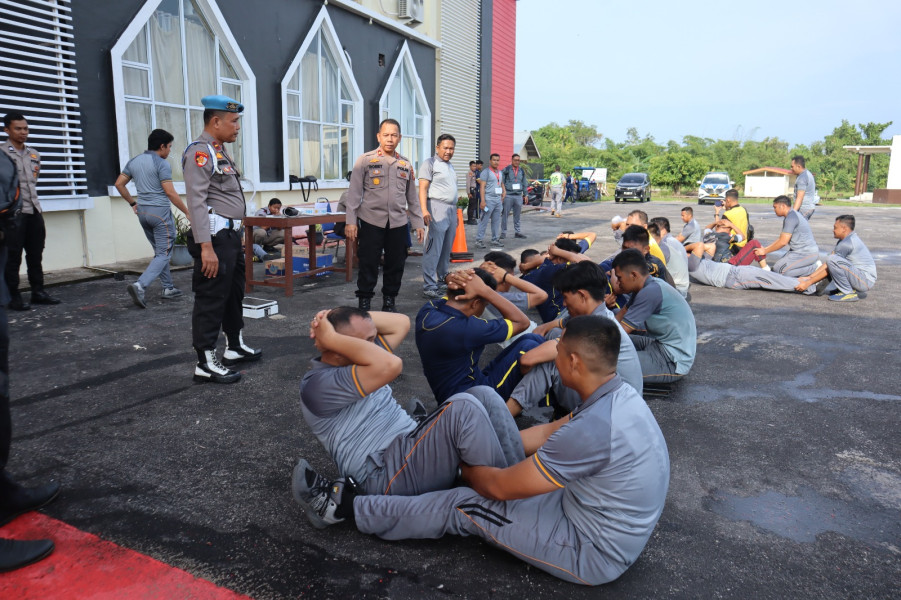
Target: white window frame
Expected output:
[221,31]
[324,24]
[406,58]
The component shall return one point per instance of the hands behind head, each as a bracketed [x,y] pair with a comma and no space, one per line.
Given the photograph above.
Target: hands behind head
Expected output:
[466,280]
[496,271]
[320,324]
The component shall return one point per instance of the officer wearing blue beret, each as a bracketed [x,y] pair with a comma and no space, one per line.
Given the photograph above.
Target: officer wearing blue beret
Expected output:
[216,204]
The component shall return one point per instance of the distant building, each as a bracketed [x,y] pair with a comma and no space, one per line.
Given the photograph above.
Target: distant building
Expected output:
[769,182]
[94,78]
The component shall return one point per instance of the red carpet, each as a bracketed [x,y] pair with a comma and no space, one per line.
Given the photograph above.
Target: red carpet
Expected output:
[85,566]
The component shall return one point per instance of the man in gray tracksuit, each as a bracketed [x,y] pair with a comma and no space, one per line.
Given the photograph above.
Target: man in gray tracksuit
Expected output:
[347,401]
[153,179]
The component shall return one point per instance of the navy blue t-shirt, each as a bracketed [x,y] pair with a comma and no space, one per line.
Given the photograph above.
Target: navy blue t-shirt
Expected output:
[450,345]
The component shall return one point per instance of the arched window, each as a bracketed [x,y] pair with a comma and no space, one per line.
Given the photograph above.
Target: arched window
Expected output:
[323,107]
[404,100]
[174,53]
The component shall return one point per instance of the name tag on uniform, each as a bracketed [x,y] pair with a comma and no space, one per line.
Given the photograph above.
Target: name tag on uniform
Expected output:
[516,186]
[498,191]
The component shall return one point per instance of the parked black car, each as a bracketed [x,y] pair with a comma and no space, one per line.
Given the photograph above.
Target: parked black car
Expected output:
[633,186]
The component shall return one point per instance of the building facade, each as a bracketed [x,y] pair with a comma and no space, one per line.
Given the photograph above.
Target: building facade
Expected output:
[94,78]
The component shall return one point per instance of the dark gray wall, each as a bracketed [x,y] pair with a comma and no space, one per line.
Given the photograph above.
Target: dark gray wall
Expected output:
[269,34]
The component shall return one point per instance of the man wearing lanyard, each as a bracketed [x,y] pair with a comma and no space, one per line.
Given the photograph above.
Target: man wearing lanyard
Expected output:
[493,194]
[514,184]
[438,200]
[216,204]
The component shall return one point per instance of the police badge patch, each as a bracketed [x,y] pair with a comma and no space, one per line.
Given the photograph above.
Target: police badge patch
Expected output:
[201,158]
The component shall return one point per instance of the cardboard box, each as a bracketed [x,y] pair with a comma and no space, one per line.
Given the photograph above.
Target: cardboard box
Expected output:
[276,268]
[302,263]
[257,308]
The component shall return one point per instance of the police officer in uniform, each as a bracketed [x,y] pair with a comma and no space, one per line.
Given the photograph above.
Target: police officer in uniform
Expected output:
[28,235]
[216,204]
[382,197]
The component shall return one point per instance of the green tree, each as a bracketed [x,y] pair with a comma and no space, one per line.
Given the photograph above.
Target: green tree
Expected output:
[676,169]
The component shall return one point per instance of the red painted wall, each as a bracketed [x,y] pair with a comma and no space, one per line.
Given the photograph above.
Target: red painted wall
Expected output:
[503,78]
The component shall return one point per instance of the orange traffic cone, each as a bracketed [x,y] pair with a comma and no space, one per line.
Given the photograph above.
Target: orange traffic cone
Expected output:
[459,253]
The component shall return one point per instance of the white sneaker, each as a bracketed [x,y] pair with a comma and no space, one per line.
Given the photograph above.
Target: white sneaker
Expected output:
[170,293]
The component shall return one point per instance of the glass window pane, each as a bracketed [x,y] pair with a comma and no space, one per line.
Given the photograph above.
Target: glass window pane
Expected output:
[225,67]
[293,105]
[137,51]
[236,151]
[201,48]
[139,127]
[345,92]
[137,82]
[173,121]
[294,148]
[294,84]
[165,45]
[309,67]
[420,126]
[232,90]
[407,121]
[347,113]
[346,164]
[331,152]
[311,150]
[330,83]
[196,126]
[394,98]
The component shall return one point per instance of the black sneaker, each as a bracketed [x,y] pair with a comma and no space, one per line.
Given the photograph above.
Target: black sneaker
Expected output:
[318,496]
[521,236]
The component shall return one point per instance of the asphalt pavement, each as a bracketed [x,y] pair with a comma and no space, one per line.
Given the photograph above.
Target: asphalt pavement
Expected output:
[784,440]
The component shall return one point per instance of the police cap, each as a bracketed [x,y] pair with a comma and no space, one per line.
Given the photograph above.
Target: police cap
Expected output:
[223,103]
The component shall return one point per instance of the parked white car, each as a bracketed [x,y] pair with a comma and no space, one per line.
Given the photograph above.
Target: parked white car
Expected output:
[713,187]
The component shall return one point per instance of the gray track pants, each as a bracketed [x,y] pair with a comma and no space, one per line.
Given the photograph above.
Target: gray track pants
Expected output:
[534,530]
[512,203]
[159,227]
[845,276]
[438,243]
[752,278]
[795,264]
[656,364]
[461,429]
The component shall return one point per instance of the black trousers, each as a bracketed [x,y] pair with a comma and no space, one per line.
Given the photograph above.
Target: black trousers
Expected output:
[218,300]
[28,235]
[374,240]
[472,209]
[6,428]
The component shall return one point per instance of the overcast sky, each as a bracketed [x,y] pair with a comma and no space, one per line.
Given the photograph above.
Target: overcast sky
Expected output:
[724,70]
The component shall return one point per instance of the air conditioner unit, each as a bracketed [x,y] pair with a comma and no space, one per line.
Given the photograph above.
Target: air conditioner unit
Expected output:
[410,9]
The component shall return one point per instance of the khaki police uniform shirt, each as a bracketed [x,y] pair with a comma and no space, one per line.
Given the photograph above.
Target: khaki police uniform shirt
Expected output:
[206,190]
[472,182]
[28,165]
[383,191]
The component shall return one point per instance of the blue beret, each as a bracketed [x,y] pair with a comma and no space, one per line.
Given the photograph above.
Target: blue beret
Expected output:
[222,103]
